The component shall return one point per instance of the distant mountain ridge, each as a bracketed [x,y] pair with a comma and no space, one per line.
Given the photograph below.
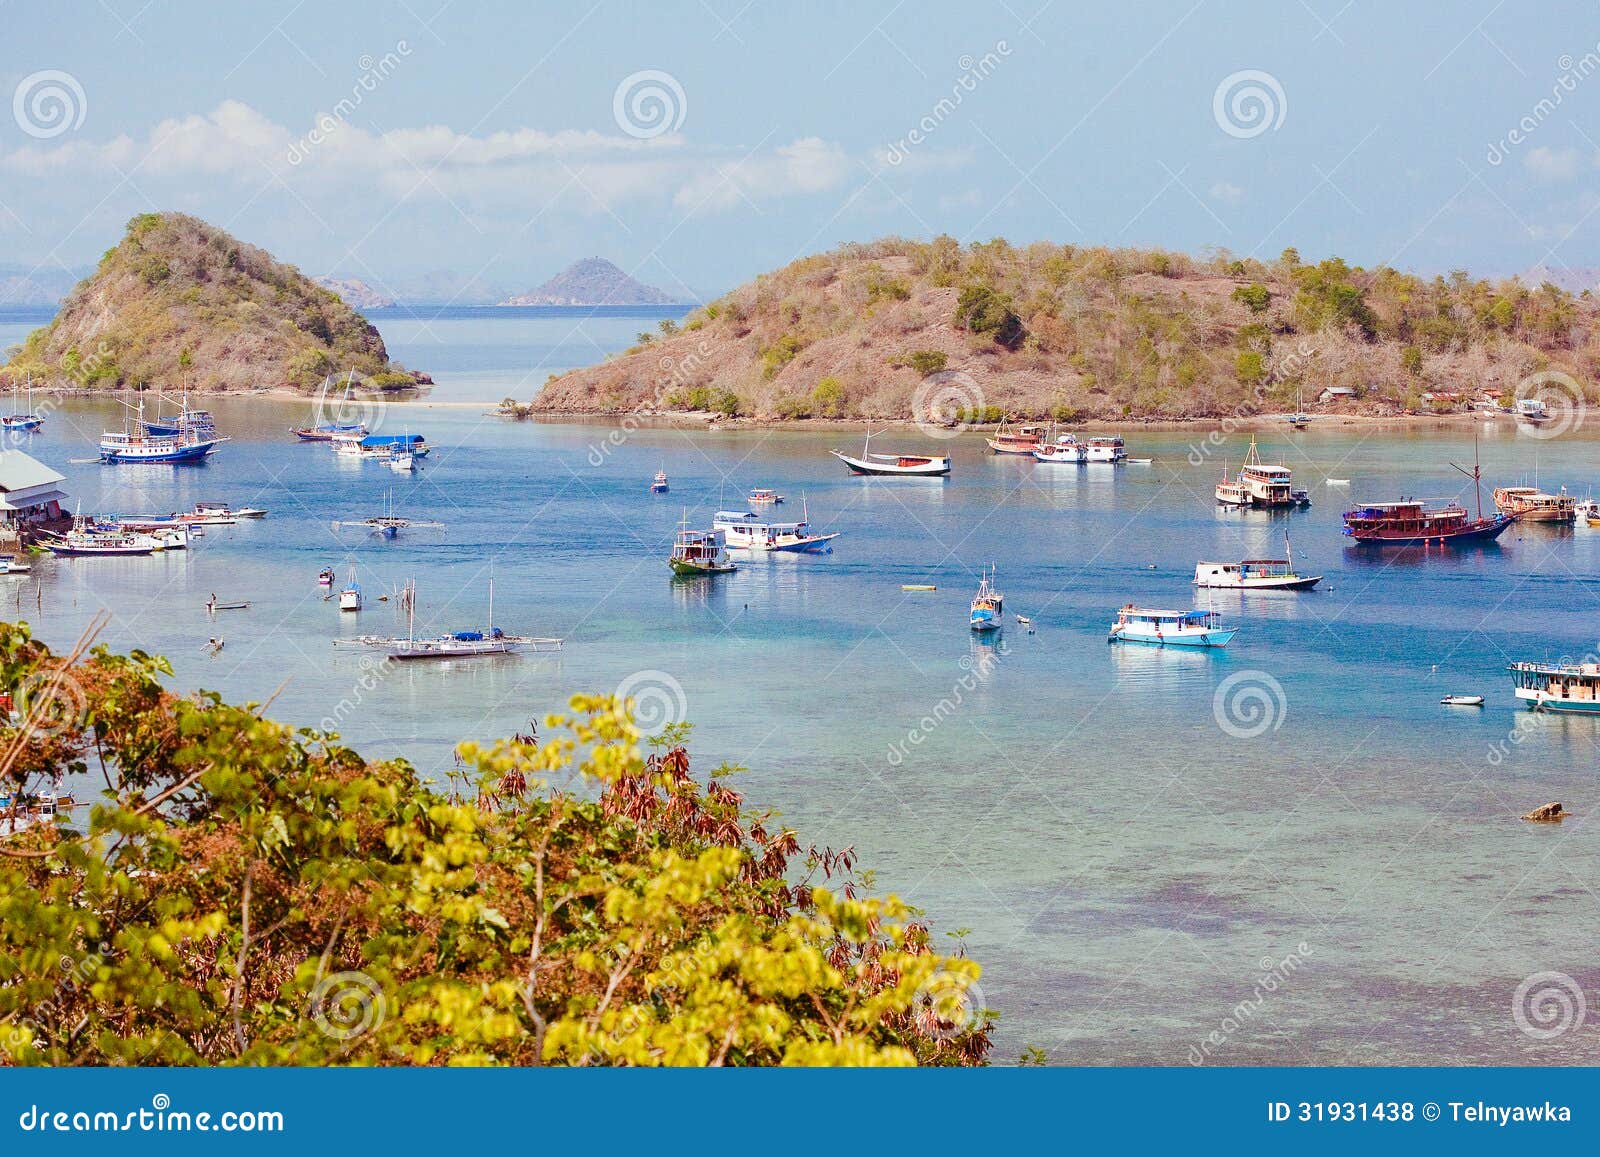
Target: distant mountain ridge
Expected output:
[593,281]
[1574,279]
[355,292]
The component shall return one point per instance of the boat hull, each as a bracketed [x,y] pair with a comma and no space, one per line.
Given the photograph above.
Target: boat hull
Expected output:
[1544,701]
[931,468]
[193,452]
[1488,531]
[694,569]
[1198,639]
[1282,584]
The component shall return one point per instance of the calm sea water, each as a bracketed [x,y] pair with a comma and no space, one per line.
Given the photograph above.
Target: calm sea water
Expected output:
[1351,885]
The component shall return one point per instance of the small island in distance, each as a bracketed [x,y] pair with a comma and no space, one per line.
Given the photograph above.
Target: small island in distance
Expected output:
[594,281]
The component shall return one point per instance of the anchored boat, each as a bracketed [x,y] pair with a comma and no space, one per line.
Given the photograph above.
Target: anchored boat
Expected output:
[659,485]
[894,465]
[187,438]
[1066,450]
[1410,522]
[328,431]
[1105,448]
[1565,687]
[761,496]
[89,537]
[1019,440]
[1170,628]
[988,605]
[23,421]
[700,552]
[1258,574]
[1533,505]
[743,530]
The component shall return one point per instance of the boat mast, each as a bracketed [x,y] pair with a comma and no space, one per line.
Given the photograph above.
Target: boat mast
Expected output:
[1475,474]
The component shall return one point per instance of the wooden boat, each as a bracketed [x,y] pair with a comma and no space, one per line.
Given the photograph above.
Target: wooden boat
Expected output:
[1534,505]
[1020,440]
[1195,628]
[327,431]
[1409,522]
[402,462]
[988,605]
[894,465]
[1066,450]
[1564,687]
[1269,484]
[1462,701]
[745,531]
[215,604]
[700,552]
[188,437]
[1232,492]
[1255,574]
[87,537]
[918,587]
[488,642]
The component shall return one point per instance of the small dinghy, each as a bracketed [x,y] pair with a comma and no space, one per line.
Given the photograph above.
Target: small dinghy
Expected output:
[216,604]
[918,587]
[1462,701]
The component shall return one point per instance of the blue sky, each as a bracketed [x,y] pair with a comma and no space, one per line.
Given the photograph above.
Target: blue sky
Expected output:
[486,139]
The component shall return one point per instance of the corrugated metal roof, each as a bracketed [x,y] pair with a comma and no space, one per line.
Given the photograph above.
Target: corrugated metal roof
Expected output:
[19,471]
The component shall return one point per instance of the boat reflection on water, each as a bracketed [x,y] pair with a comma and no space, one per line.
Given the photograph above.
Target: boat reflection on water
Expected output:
[1166,668]
[986,654]
[1487,557]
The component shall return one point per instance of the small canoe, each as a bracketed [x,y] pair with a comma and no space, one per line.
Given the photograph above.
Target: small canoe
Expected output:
[1462,701]
[917,587]
[230,606]
[1338,482]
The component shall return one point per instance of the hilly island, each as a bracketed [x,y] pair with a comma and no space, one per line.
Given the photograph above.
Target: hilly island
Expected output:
[1086,332]
[179,301]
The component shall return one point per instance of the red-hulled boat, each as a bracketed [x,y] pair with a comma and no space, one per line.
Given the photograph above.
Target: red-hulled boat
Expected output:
[1411,523]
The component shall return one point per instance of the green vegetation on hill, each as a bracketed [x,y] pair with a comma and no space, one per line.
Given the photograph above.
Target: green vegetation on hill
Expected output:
[178,300]
[1088,332]
[244,894]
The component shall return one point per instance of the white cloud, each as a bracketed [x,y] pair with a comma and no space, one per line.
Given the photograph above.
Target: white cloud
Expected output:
[521,170]
[1227,192]
[1552,164]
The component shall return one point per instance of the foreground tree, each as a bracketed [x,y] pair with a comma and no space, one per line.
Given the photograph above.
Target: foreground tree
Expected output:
[249,894]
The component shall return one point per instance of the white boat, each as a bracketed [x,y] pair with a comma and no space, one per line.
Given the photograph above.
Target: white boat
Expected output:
[1194,628]
[1232,491]
[746,531]
[22,421]
[402,463]
[1337,482]
[189,437]
[658,485]
[1105,448]
[761,496]
[1562,687]
[87,537]
[459,645]
[220,513]
[1532,410]
[15,565]
[1269,484]
[1462,701]
[1263,574]
[1066,450]
[350,595]
[894,465]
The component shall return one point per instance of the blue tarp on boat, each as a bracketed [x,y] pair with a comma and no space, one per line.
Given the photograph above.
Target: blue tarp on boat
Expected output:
[403,441]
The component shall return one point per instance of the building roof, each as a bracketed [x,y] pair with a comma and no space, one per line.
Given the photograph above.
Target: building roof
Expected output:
[31,500]
[19,471]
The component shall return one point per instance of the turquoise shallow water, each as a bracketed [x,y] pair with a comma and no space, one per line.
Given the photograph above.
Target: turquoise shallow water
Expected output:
[1132,872]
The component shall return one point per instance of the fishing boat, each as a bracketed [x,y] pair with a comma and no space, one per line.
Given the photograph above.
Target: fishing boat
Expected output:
[216,604]
[188,438]
[350,595]
[1411,522]
[1105,448]
[22,421]
[388,524]
[328,431]
[21,811]
[1255,574]
[700,552]
[1336,482]
[761,496]
[1194,628]
[988,605]
[746,531]
[1462,701]
[1232,491]
[1019,440]
[458,645]
[659,484]
[402,462]
[1269,484]
[1534,505]
[894,465]
[11,565]
[219,514]
[325,577]
[1532,411]
[1066,450]
[88,537]
[1566,687]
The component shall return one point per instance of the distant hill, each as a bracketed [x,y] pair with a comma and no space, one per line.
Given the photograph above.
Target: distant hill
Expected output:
[1086,333]
[180,300]
[25,285]
[1573,280]
[355,292]
[593,281]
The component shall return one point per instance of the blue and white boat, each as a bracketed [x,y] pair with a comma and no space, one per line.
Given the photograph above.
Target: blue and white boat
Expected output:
[328,431]
[381,446]
[988,605]
[1564,687]
[188,437]
[743,530]
[1170,628]
[23,421]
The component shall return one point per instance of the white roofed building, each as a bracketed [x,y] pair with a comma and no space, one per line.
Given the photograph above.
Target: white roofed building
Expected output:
[29,490]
